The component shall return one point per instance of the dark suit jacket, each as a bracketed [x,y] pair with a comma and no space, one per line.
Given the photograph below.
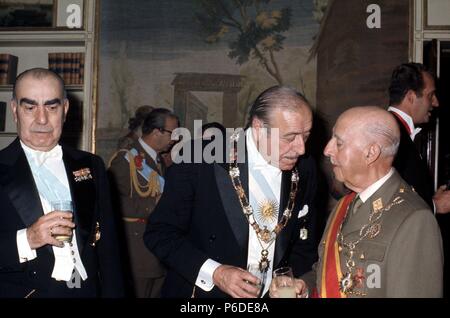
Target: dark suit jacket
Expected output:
[21,207]
[199,217]
[412,168]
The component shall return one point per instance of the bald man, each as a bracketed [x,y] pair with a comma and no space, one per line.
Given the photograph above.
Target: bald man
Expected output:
[381,240]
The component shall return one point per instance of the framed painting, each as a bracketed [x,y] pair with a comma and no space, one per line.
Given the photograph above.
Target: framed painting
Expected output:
[27,13]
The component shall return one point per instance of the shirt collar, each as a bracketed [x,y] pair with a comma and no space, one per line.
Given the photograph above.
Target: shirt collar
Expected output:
[149,150]
[408,120]
[367,193]
[41,156]
[255,159]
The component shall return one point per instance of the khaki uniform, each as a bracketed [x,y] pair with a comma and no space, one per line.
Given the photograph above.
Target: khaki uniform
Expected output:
[147,272]
[405,259]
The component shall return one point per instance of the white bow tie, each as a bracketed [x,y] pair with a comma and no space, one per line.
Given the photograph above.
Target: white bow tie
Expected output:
[41,156]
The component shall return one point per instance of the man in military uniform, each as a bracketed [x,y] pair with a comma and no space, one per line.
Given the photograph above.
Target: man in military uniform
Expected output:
[137,175]
[381,240]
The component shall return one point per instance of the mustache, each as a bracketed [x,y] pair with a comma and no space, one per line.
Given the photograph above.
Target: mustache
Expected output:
[41,130]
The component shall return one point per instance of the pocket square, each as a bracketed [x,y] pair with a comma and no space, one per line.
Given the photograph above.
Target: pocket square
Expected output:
[303,211]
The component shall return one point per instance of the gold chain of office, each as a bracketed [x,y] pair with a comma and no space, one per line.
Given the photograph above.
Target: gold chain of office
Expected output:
[264,235]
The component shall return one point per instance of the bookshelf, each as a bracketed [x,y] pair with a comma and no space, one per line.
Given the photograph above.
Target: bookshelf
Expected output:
[33,46]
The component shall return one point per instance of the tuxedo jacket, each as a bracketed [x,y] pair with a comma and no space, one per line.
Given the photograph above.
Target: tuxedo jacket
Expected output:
[20,207]
[199,217]
[412,168]
[404,260]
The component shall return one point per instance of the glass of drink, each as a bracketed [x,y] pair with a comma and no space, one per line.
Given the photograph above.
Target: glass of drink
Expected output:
[63,206]
[284,282]
[255,271]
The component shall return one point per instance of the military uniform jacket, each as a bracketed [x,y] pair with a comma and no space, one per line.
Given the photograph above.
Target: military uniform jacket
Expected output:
[405,259]
[143,263]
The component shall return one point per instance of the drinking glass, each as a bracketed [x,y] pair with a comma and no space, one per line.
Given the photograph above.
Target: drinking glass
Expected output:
[284,282]
[63,206]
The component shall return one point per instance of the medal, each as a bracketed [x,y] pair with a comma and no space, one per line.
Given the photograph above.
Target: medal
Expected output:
[346,283]
[264,263]
[303,234]
[267,211]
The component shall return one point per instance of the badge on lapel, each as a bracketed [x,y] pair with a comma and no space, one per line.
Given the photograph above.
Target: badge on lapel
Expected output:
[97,234]
[82,174]
[303,234]
[303,231]
[303,211]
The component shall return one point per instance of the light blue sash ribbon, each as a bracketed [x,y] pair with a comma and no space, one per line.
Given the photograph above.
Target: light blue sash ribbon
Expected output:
[48,185]
[146,169]
[268,196]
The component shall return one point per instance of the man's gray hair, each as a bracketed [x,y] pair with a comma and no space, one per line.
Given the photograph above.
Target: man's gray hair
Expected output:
[388,138]
[272,98]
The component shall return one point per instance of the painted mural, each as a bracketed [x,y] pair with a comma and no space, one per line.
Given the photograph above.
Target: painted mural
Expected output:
[204,59]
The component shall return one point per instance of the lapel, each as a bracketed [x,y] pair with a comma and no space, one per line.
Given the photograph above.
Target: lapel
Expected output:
[20,186]
[386,193]
[230,200]
[406,141]
[282,241]
[83,195]
[148,159]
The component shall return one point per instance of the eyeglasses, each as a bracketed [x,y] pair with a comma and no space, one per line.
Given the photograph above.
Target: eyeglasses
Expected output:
[165,130]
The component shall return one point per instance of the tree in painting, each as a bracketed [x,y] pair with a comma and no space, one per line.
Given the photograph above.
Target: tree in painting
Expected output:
[255,31]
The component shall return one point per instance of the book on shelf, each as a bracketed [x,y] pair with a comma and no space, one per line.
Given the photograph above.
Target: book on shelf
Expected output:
[68,65]
[2,116]
[8,69]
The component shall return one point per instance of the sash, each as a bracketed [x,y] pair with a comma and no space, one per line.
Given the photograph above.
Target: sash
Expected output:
[146,170]
[260,192]
[331,268]
[52,189]
[48,185]
[403,122]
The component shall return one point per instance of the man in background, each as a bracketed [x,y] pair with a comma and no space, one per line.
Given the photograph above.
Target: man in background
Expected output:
[138,179]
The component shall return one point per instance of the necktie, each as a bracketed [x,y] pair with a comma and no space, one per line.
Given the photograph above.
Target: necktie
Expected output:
[356,204]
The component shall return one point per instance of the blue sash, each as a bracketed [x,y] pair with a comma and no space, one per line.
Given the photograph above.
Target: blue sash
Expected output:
[47,184]
[146,169]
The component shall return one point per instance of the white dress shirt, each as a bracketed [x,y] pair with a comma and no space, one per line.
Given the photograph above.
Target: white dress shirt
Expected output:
[272,175]
[149,150]
[67,258]
[367,193]
[408,119]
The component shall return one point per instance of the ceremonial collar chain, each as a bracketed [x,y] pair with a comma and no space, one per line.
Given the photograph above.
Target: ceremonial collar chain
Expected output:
[263,235]
[371,229]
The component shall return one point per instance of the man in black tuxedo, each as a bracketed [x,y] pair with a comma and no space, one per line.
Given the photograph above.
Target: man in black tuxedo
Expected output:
[35,171]
[412,96]
[216,219]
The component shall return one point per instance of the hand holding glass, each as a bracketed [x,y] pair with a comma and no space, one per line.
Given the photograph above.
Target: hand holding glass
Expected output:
[255,271]
[284,282]
[63,206]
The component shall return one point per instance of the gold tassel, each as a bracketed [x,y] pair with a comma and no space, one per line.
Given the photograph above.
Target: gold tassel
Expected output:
[152,188]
